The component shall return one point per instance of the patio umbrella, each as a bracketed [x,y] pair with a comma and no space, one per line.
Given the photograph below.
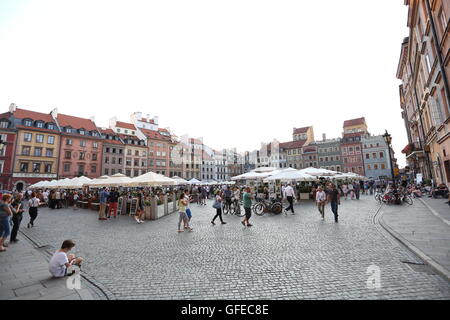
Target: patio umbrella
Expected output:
[295,175]
[319,172]
[180,181]
[194,181]
[152,179]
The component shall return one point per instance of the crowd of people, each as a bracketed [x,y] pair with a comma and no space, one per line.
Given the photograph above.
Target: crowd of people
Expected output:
[323,192]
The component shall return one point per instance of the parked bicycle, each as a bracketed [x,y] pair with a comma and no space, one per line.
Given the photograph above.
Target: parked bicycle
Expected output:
[262,206]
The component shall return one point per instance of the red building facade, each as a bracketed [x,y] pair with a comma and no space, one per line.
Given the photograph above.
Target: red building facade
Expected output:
[8,143]
[81,148]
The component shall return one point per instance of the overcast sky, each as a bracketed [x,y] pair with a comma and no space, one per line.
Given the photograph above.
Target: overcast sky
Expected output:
[236,73]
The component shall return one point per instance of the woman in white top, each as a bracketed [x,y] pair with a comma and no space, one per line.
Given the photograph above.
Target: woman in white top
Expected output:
[321,199]
[345,190]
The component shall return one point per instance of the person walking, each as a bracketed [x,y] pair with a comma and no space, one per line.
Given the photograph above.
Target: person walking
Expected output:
[247,201]
[58,199]
[75,200]
[289,195]
[16,217]
[357,189]
[351,191]
[218,204]
[113,200]
[321,199]
[182,205]
[140,208]
[334,198]
[103,203]
[237,200]
[5,219]
[33,211]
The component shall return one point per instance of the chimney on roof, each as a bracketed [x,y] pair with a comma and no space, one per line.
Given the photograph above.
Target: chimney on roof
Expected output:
[12,107]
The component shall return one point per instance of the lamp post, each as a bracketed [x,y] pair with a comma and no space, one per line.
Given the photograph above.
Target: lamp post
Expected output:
[387,137]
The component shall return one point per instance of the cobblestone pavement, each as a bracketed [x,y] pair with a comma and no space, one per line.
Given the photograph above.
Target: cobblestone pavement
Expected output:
[24,275]
[281,257]
[425,233]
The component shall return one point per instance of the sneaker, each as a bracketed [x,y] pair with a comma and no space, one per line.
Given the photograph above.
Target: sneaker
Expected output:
[223,222]
[213,223]
[142,221]
[243,223]
[180,230]
[249,225]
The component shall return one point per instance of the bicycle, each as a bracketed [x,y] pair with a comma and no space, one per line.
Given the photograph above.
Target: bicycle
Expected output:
[262,205]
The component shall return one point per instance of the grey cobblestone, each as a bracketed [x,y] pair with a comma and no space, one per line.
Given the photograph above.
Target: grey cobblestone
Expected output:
[289,257]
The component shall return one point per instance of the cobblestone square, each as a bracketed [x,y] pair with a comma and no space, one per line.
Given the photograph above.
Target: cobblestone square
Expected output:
[281,257]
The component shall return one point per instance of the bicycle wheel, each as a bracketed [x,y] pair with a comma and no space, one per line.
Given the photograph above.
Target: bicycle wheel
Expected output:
[259,209]
[240,212]
[408,200]
[277,208]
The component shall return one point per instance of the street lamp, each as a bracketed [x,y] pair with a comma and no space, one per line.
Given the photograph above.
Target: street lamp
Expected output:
[387,137]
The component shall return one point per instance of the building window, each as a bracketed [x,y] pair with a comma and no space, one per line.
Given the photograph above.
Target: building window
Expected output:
[48,168]
[26,150]
[120,151]
[27,137]
[49,152]
[4,124]
[24,167]
[93,168]
[136,153]
[106,171]
[128,173]
[369,167]
[28,123]
[81,169]
[113,171]
[68,155]
[81,131]
[106,159]
[383,166]
[82,156]
[442,19]
[113,160]
[39,124]
[51,139]
[381,155]
[95,145]
[66,167]
[37,152]
[50,126]
[128,152]
[39,138]
[119,160]
[36,167]
[107,150]
[94,157]
[82,143]
[69,142]
[375,166]
[2,162]
[374,155]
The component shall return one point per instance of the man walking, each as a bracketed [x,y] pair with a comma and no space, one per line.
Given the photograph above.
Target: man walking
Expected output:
[247,200]
[289,195]
[103,199]
[113,200]
[321,199]
[334,198]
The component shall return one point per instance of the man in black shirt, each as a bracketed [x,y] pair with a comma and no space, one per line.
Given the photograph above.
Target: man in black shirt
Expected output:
[334,197]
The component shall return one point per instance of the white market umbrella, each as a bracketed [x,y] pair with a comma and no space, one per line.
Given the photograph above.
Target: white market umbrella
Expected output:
[265,169]
[77,183]
[152,179]
[194,181]
[98,182]
[252,175]
[319,172]
[117,180]
[295,175]
[180,181]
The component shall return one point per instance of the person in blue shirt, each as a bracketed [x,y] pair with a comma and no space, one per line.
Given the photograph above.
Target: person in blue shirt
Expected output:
[103,200]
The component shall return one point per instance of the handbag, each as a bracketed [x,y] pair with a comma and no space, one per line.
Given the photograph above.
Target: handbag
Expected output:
[217,205]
